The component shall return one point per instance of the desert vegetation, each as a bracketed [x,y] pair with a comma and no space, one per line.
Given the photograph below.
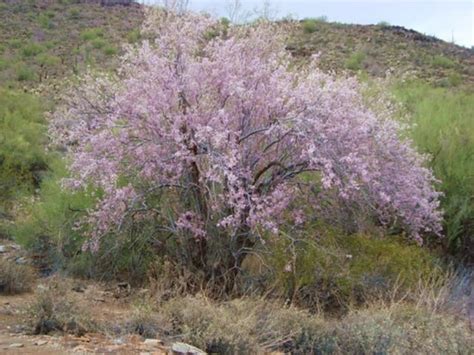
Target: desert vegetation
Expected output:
[172,176]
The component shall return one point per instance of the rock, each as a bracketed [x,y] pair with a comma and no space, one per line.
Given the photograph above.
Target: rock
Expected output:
[21,261]
[3,249]
[151,342]
[41,342]
[16,345]
[186,349]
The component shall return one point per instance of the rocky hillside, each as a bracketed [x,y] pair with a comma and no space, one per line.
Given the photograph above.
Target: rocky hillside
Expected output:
[381,49]
[53,38]
[50,39]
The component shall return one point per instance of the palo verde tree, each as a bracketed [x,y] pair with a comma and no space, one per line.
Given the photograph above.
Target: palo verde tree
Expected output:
[218,140]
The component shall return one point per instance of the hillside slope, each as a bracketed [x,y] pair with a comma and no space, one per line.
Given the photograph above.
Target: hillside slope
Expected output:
[51,39]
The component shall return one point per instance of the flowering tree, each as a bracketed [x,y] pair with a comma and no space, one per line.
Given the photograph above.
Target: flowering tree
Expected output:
[221,138]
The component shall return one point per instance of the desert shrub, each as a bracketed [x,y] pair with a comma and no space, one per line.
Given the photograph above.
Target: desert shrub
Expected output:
[134,36]
[443,127]
[98,43]
[239,326]
[110,50]
[48,60]
[442,62]
[4,64]
[54,311]
[146,321]
[22,158]
[310,25]
[383,24]
[74,14]
[24,72]
[91,34]
[15,43]
[252,325]
[401,329]
[355,61]
[15,278]
[32,49]
[330,271]
[45,21]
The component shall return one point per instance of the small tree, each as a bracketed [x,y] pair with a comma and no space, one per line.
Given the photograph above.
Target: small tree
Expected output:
[219,143]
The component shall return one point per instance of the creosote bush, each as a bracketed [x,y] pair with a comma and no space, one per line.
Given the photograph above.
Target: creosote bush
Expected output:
[212,145]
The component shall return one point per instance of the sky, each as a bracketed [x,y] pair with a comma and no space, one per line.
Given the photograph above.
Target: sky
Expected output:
[446,19]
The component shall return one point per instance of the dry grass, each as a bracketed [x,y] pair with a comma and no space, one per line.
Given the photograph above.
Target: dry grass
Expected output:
[15,278]
[55,310]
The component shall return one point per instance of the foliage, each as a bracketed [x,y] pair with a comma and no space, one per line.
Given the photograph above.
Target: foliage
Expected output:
[252,325]
[15,278]
[22,156]
[444,128]
[32,49]
[311,25]
[442,62]
[354,62]
[92,34]
[53,311]
[220,139]
[327,270]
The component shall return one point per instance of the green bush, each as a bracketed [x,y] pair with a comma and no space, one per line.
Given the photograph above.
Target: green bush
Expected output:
[355,61]
[45,22]
[24,72]
[331,271]
[4,64]
[134,36]
[441,61]
[48,60]
[444,128]
[22,135]
[32,49]
[98,43]
[110,50]
[310,25]
[91,34]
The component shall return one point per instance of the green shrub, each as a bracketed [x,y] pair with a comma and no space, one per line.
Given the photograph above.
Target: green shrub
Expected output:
[110,50]
[22,157]
[74,14]
[15,43]
[312,25]
[91,34]
[441,61]
[32,49]
[383,24]
[327,270]
[45,21]
[48,60]
[4,64]
[444,128]
[98,43]
[24,72]
[355,61]
[134,36]
[15,278]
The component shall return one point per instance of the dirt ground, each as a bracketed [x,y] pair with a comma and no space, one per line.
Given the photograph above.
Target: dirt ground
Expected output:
[101,302]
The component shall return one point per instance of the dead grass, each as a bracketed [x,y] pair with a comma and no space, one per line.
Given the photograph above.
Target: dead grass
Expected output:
[15,278]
